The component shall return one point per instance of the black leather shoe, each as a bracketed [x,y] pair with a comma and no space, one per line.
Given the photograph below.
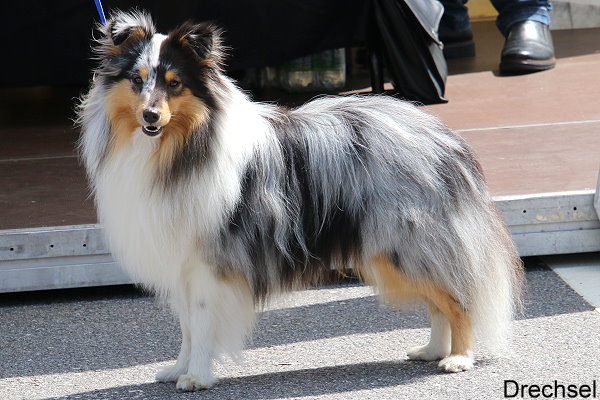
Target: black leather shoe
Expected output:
[528,48]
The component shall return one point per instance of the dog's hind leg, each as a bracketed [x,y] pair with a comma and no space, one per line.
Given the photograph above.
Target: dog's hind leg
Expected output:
[451,335]
[461,353]
[439,345]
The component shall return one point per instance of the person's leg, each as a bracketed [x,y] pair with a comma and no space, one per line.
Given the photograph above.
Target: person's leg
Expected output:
[512,11]
[455,30]
[455,17]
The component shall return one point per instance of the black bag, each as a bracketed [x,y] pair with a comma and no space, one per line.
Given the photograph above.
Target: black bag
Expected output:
[404,32]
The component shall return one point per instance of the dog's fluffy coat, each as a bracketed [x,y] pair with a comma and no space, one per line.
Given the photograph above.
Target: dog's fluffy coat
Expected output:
[221,202]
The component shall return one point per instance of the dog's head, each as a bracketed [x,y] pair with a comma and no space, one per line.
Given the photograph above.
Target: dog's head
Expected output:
[157,83]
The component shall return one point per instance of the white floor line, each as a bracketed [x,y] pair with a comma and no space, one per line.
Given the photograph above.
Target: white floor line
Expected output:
[41,158]
[493,128]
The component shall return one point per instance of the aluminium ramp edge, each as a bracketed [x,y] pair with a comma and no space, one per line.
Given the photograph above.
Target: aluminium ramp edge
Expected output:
[56,258]
[77,256]
[552,223]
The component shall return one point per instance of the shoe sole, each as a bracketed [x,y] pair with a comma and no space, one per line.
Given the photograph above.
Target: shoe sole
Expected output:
[517,67]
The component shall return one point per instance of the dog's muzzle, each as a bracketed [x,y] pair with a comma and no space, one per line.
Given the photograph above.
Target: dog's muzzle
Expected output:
[151,117]
[151,130]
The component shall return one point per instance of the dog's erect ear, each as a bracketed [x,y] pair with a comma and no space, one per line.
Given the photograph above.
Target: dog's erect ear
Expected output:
[203,39]
[120,36]
[123,29]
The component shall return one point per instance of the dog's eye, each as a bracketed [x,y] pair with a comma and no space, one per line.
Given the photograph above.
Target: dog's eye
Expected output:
[137,80]
[174,84]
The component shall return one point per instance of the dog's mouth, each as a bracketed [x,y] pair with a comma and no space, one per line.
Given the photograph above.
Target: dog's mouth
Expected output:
[152,130]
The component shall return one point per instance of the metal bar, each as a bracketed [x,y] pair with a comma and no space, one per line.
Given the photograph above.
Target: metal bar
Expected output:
[60,241]
[597,196]
[77,256]
[44,274]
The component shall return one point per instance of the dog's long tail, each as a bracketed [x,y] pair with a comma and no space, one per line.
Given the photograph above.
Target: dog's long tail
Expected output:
[497,279]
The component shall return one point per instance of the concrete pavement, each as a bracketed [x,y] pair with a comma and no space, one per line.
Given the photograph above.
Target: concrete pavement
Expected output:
[334,342]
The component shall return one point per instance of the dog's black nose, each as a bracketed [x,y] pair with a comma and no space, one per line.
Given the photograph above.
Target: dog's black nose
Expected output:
[151,116]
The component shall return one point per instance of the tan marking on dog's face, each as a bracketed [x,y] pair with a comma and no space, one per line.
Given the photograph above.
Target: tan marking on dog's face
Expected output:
[187,114]
[171,76]
[394,286]
[181,115]
[143,73]
[122,104]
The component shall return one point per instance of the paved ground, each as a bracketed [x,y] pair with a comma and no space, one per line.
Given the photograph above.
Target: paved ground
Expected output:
[328,343]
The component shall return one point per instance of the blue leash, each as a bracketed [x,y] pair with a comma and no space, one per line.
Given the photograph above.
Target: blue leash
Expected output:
[100,11]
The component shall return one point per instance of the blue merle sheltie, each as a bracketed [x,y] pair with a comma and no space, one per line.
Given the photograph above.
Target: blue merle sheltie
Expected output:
[215,202]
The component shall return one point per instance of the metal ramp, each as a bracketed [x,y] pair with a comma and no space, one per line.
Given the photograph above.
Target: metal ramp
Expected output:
[76,256]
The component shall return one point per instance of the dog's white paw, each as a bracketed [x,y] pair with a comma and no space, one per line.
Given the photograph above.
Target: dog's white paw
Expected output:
[190,383]
[426,353]
[457,363]
[170,373]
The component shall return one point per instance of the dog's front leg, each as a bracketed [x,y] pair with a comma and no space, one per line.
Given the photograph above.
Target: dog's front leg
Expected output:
[201,328]
[171,373]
